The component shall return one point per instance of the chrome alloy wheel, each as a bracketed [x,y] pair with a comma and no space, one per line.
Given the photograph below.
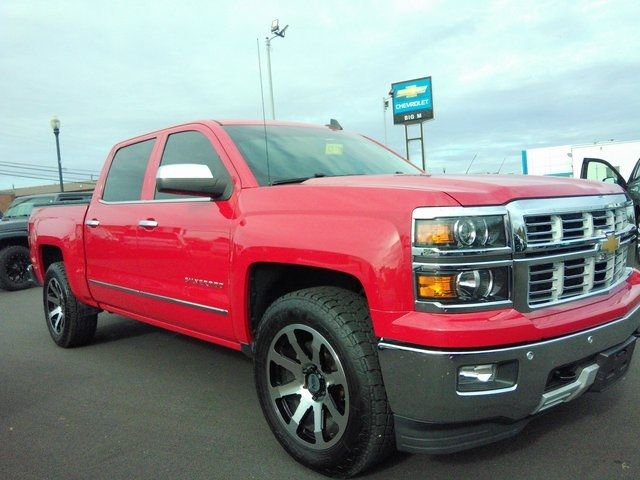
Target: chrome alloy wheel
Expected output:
[55,306]
[308,386]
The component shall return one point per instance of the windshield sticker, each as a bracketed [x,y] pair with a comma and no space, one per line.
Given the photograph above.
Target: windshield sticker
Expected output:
[333,149]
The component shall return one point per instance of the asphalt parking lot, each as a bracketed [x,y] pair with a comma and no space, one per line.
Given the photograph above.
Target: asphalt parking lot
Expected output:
[144,403]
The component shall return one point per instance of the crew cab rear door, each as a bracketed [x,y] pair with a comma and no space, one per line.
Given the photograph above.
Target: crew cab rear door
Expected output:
[111,229]
[184,247]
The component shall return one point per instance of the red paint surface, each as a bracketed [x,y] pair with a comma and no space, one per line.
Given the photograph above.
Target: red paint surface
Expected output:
[357,225]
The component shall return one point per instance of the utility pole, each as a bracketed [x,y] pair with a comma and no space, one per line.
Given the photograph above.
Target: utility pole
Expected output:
[275,30]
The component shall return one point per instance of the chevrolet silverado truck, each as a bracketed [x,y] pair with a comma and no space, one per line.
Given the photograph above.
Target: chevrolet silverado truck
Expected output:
[383,308]
[14,244]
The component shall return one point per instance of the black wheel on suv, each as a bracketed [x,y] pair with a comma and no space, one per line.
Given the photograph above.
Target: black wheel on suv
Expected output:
[70,322]
[319,383]
[14,261]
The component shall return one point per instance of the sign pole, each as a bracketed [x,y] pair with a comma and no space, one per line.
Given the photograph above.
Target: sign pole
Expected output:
[422,146]
[413,104]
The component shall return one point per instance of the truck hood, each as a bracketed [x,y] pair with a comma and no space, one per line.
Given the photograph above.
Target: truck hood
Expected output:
[472,190]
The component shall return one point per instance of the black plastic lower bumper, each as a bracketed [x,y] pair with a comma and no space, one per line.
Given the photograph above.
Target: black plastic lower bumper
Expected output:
[420,437]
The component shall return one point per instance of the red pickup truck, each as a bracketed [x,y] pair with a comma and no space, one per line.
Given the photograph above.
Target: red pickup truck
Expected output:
[382,307]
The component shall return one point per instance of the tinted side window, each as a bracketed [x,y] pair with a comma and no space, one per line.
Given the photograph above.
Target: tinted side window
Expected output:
[195,148]
[126,174]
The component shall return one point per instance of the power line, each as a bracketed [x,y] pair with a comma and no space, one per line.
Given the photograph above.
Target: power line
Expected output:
[80,171]
[37,170]
[74,176]
[41,165]
[43,177]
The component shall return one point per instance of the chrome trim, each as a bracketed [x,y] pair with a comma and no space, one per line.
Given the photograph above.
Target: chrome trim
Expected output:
[92,223]
[382,345]
[184,170]
[593,240]
[568,392]
[148,223]
[437,252]
[420,267]
[439,307]
[429,213]
[518,209]
[168,200]
[497,391]
[595,293]
[155,296]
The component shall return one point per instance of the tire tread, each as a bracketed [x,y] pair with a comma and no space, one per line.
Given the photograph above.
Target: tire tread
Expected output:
[350,314]
[82,320]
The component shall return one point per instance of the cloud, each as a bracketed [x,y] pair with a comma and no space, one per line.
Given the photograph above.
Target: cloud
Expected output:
[506,75]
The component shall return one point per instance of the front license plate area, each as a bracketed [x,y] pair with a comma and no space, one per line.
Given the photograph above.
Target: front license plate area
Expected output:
[613,364]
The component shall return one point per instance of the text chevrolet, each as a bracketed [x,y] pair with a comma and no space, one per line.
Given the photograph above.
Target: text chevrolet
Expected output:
[382,307]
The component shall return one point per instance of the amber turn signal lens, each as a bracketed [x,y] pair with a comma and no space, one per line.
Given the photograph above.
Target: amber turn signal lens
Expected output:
[434,233]
[436,286]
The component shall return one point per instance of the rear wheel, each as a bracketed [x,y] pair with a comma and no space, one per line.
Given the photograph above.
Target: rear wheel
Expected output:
[14,261]
[70,322]
[319,382]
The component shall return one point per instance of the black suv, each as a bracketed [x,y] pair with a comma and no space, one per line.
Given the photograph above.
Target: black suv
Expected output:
[14,242]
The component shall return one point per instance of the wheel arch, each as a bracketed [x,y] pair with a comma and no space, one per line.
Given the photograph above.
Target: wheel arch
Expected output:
[268,281]
[49,254]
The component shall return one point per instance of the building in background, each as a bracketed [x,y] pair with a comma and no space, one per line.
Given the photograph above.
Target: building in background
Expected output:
[566,160]
[7,196]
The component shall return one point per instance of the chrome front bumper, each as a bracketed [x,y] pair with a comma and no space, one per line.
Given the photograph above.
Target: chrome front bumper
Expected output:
[422,383]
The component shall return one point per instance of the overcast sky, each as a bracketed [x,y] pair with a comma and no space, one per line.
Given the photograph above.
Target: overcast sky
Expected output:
[507,75]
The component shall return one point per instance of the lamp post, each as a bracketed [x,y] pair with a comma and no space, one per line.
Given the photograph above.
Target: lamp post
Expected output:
[385,106]
[275,30]
[55,125]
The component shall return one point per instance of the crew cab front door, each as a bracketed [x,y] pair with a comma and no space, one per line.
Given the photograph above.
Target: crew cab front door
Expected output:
[602,171]
[184,243]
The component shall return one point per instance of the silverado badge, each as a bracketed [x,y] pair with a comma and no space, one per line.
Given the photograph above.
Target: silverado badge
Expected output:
[610,244]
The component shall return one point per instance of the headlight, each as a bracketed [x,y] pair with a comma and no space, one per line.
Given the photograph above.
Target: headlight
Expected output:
[464,286]
[461,232]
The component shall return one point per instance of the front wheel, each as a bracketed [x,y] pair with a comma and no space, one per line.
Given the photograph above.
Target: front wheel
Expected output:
[319,382]
[70,322]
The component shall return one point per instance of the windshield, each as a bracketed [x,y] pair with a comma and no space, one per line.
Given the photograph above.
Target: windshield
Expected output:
[22,207]
[298,153]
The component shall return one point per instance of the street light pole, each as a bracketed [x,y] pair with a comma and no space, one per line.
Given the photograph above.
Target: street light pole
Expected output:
[385,106]
[275,29]
[55,125]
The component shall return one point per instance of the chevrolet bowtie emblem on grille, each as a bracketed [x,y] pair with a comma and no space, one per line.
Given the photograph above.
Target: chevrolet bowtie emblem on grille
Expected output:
[611,244]
[411,91]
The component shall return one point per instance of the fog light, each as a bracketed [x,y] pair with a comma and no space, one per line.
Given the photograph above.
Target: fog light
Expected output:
[477,374]
[486,377]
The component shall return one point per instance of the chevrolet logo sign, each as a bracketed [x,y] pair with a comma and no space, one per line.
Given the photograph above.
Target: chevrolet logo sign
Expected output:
[411,91]
[610,244]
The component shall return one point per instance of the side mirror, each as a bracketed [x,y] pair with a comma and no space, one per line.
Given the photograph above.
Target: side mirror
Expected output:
[189,179]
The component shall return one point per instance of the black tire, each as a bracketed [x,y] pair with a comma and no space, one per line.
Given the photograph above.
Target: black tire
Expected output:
[326,322]
[70,322]
[14,261]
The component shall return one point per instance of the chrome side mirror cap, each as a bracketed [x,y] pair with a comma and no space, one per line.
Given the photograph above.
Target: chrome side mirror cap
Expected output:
[189,179]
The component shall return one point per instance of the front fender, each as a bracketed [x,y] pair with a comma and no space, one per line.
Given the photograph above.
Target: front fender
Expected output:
[373,250]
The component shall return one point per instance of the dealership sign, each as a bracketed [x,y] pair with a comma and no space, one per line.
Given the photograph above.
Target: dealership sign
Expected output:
[412,101]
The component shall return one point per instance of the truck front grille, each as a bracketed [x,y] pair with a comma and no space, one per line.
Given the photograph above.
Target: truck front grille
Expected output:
[560,247]
[552,228]
[561,280]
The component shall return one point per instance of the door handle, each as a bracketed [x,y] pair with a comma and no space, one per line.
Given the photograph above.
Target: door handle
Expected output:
[93,223]
[148,223]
